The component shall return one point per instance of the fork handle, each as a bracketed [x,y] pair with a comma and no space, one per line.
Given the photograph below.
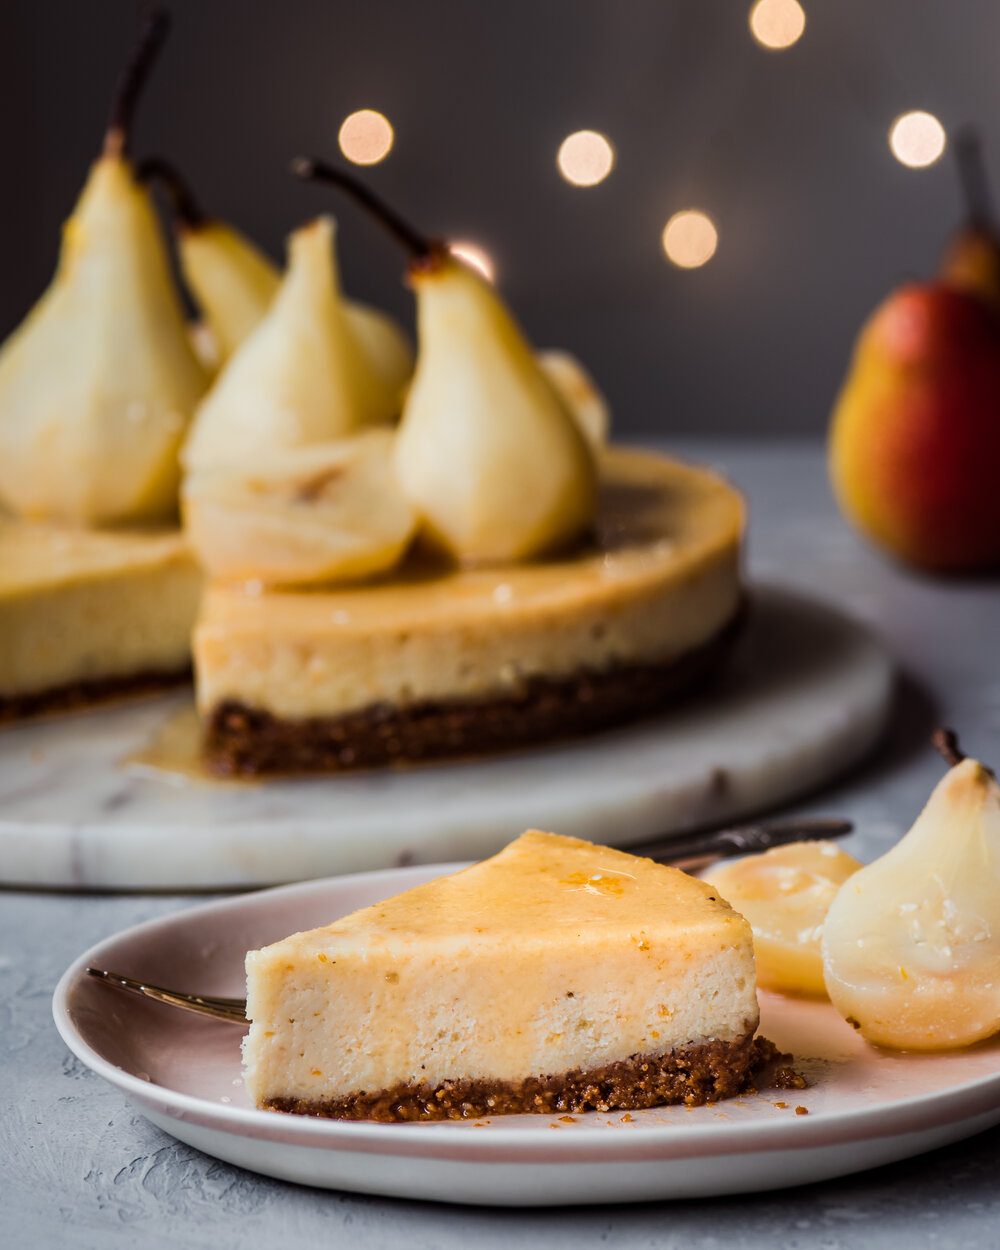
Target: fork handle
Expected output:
[233,1010]
[698,850]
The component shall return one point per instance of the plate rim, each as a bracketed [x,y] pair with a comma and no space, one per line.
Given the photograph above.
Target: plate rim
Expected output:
[447,1140]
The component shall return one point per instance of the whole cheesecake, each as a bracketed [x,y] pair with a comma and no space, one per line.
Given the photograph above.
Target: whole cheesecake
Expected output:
[87,614]
[557,976]
[437,661]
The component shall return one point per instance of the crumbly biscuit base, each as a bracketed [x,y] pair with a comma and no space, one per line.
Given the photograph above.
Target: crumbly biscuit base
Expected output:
[692,1075]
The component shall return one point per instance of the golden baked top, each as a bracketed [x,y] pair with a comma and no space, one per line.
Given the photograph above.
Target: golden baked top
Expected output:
[541,886]
[36,557]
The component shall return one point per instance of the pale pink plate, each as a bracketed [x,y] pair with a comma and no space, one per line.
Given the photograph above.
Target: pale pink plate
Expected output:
[865,1107]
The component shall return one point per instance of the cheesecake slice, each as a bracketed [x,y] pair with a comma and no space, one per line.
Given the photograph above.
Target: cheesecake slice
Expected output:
[89,614]
[435,662]
[556,976]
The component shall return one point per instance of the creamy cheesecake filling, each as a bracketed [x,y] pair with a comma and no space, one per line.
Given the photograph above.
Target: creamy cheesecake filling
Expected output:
[555,957]
[238,740]
[661,580]
[86,609]
[371,1016]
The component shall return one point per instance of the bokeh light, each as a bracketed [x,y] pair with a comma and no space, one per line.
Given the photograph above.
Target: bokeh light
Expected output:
[917,139]
[474,256]
[585,158]
[366,137]
[777,24]
[690,239]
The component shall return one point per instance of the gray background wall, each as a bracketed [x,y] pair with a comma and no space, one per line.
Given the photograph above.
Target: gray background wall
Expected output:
[787,151]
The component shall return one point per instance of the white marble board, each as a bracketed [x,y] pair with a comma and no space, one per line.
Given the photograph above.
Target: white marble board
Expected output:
[805,697]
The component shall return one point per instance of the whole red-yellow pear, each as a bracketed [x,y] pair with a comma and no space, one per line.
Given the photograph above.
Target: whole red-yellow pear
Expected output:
[915,435]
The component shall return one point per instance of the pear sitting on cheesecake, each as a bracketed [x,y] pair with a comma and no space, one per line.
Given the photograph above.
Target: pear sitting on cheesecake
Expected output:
[99,381]
[302,375]
[234,282]
[323,512]
[488,452]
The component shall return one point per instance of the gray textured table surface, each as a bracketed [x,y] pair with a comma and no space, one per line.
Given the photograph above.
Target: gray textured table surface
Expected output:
[78,1168]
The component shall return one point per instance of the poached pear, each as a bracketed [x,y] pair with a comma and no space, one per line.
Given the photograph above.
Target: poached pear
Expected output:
[911,943]
[233,282]
[785,894]
[99,381]
[579,392]
[321,513]
[385,344]
[488,451]
[301,376]
[231,279]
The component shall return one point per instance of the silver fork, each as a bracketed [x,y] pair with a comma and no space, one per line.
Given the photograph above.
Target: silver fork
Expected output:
[692,854]
[233,1010]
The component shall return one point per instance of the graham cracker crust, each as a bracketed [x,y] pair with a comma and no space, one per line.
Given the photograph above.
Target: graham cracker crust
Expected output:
[692,1075]
[86,693]
[241,740]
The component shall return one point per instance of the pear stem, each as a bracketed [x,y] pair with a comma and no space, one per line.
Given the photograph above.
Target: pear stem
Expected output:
[416,243]
[972,176]
[945,742]
[133,78]
[185,206]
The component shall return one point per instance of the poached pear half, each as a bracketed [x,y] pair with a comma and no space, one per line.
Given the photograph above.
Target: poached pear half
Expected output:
[326,512]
